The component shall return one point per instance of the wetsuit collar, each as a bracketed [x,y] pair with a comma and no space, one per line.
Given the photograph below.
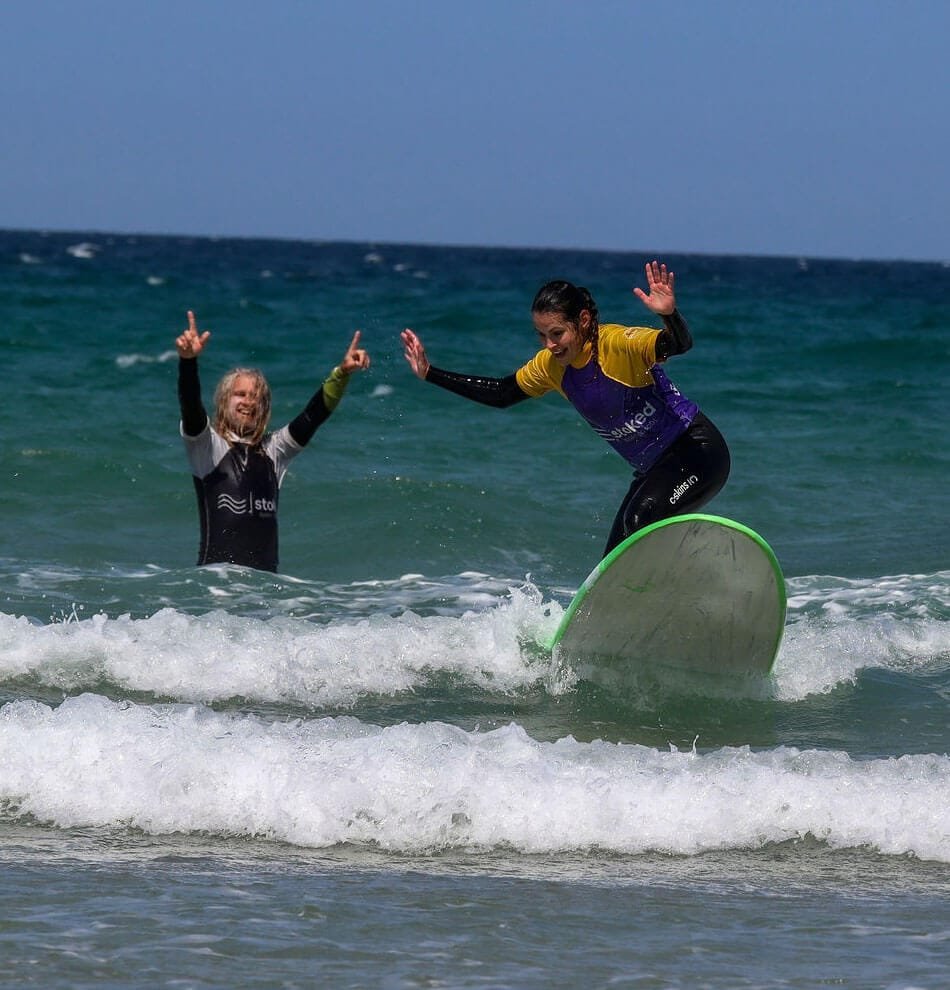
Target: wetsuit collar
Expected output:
[583,357]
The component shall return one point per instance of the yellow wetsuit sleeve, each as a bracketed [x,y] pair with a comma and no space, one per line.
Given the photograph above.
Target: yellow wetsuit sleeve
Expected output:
[540,375]
[334,387]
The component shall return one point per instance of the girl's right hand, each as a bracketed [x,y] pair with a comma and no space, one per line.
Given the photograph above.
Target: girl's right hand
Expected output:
[415,354]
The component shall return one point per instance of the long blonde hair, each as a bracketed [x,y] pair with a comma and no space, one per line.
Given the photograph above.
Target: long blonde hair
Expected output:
[223,393]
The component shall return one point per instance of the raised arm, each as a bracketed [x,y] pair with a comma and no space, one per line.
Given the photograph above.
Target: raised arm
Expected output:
[328,395]
[675,337]
[189,345]
[497,392]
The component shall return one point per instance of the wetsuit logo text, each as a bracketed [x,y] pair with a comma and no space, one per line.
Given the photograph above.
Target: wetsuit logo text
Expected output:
[632,426]
[680,490]
[246,506]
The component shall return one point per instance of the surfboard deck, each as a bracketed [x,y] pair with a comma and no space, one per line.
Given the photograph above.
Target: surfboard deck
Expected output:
[693,593]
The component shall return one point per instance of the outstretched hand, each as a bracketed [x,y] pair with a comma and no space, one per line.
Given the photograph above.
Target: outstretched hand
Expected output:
[661,298]
[356,358]
[415,354]
[191,343]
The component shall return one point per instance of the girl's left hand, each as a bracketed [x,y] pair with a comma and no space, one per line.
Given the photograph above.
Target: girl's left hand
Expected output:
[661,298]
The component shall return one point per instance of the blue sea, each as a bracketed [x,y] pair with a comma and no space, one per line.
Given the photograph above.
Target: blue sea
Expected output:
[366,770]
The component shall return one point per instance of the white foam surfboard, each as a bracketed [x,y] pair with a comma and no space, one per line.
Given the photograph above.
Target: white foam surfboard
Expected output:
[693,593]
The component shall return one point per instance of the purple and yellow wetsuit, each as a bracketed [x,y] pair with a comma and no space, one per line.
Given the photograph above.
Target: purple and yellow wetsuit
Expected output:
[679,458]
[624,395]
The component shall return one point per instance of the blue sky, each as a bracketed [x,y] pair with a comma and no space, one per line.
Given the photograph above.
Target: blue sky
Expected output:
[726,126]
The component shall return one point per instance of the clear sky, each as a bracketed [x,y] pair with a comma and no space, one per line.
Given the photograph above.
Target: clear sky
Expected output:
[815,127]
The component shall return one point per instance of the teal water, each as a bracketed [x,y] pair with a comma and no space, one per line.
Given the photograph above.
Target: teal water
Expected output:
[364,771]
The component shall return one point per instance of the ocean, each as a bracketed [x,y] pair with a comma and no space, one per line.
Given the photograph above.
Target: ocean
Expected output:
[366,770]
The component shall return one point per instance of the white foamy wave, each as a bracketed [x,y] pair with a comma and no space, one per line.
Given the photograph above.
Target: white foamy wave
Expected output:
[423,788]
[318,644]
[919,592]
[838,627]
[218,655]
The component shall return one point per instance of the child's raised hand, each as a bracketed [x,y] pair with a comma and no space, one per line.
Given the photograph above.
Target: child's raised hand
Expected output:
[356,358]
[191,343]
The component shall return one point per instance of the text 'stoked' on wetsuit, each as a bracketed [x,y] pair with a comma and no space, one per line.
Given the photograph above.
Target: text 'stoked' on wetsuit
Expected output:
[237,484]
[680,460]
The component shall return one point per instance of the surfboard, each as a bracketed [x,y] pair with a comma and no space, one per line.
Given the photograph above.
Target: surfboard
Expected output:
[694,594]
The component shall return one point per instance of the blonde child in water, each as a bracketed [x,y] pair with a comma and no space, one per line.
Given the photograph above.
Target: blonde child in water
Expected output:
[237,465]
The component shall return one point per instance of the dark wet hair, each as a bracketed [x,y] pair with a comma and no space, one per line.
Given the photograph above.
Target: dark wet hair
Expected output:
[569,300]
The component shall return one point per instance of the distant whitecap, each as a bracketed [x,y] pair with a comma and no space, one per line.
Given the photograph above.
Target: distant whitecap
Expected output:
[30,259]
[83,250]
[128,360]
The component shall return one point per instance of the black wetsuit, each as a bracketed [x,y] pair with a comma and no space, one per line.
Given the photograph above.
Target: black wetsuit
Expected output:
[237,484]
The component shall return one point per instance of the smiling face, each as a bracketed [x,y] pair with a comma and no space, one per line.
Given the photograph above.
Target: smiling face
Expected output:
[242,405]
[564,339]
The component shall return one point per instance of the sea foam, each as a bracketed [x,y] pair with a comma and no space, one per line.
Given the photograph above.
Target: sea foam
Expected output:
[430,787]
